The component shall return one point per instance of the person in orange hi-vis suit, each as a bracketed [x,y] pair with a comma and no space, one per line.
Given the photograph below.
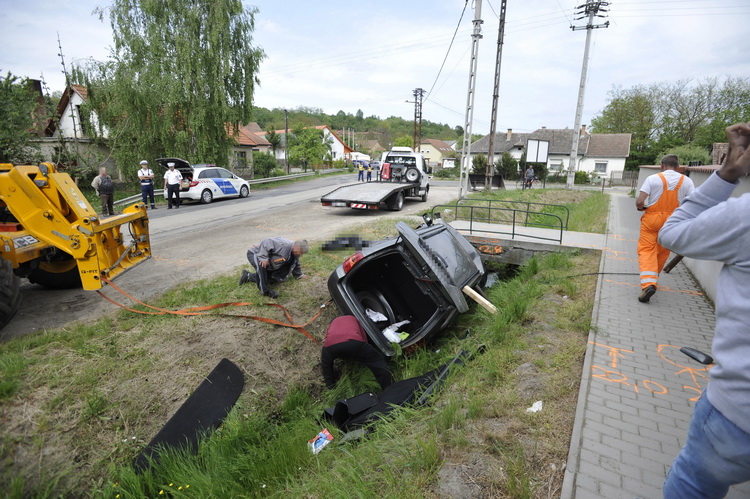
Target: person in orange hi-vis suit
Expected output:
[659,196]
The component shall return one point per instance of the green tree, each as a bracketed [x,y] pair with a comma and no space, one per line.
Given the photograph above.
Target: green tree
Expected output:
[404,141]
[507,166]
[687,153]
[180,77]
[308,147]
[263,163]
[275,139]
[18,107]
[479,164]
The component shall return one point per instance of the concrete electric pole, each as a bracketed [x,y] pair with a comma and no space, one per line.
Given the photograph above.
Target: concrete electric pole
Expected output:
[590,9]
[466,149]
[495,94]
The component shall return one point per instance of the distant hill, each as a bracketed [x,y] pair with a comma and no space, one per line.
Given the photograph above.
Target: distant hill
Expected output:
[385,131]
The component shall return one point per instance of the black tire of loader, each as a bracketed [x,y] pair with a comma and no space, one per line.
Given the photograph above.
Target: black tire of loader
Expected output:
[66,278]
[10,292]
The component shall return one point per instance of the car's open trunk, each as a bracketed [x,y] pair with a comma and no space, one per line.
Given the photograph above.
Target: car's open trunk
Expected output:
[387,285]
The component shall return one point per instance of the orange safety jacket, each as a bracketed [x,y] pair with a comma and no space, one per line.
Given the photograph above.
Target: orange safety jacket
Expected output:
[651,255]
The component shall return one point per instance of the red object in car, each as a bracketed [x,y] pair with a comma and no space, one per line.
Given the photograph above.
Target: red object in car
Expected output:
[351,261]
[385,174]
[193,183]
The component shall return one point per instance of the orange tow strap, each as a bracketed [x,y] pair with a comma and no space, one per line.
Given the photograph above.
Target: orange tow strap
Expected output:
[203,311]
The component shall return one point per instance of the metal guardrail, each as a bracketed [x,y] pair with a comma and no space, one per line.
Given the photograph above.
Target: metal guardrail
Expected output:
[502,216]
[528,205]
[159,192]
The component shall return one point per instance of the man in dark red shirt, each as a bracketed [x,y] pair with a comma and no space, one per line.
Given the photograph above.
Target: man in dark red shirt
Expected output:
[345,339]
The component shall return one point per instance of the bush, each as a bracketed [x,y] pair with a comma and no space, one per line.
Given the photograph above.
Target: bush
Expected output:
[277,172]
[338,163]
[263,164]
[479,164]
[581,178]
[446,173]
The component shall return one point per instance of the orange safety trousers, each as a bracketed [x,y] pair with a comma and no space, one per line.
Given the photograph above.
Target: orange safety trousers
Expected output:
[651,255]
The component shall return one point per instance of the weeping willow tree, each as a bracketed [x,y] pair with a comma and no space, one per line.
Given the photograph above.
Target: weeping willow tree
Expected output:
[179,78]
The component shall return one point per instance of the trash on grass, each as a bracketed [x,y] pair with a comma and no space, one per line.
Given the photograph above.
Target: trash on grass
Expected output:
[535,407]
[321,440]
[375,316]
[391,332]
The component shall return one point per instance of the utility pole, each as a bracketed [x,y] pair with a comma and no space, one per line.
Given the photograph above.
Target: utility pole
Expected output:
[70,100]
[495,94]
[286,140]
[417,135]
[466,149]
[590,9]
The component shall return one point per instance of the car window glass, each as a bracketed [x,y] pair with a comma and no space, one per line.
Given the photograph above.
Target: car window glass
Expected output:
[224,173]
[208,173]
[402,160]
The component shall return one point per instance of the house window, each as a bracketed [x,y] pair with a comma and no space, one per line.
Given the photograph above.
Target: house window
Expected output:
[600,167]
[240,158]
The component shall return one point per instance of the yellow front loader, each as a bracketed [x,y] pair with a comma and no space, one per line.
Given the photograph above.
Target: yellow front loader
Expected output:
[50,234]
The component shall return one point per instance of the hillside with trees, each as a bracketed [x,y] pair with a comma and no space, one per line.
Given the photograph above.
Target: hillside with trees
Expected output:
[386,131]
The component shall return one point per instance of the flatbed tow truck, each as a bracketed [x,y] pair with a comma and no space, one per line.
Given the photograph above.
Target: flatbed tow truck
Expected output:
[403,175]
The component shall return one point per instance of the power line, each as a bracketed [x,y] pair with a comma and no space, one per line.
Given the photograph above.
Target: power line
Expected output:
[449,50]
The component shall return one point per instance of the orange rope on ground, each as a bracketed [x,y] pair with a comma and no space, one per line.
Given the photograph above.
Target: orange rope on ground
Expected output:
[192,311]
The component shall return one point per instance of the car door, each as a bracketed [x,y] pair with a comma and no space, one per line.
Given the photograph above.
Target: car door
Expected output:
[228,183]
[207,180]
[452,260]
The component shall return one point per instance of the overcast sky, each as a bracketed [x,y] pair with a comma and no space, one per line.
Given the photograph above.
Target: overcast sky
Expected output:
[371,55]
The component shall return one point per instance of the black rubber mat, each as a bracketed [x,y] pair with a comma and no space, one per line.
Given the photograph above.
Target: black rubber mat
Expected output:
[202,412]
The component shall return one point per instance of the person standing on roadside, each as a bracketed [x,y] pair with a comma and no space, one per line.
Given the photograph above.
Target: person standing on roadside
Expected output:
[105,189]
[710,225]
[172,179]
[146,176]
[660,195]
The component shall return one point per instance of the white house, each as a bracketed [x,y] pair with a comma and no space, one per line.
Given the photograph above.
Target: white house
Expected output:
[602,153]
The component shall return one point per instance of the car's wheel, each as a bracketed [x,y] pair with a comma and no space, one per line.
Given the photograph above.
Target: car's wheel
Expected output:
[396,201]
[10,293]
[206,196]
[374,300]
[244,191]
[412,175]
[424,196]
[59,273]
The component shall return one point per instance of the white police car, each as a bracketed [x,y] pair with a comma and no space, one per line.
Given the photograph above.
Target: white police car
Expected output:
[206,182]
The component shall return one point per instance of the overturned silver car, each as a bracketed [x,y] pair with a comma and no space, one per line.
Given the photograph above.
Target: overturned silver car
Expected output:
[417,276]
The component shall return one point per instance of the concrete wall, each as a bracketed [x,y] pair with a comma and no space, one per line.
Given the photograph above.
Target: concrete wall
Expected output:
[706,272]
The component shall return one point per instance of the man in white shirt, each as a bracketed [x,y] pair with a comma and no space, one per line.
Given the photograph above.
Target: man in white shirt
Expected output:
[146,176]
[660,195]
[172,180]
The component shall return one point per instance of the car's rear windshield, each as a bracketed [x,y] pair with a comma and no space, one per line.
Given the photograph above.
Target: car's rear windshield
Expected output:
[402,160]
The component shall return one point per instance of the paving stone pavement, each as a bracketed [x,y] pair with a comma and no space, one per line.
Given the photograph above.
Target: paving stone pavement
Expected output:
[637,390]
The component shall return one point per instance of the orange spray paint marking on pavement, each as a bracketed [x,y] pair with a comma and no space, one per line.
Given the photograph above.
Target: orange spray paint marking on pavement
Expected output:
[614,352]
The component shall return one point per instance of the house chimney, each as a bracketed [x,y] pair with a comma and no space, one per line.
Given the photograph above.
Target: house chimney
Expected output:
[510,134]
[583,129]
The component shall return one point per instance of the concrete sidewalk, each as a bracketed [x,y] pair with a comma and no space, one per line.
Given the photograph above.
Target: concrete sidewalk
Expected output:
[637,391]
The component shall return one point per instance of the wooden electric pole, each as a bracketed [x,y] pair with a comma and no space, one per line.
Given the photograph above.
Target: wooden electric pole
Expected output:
[495,93]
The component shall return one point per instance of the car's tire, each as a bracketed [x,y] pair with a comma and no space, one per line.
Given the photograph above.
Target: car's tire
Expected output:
[412,175]
[10,292]
[396,201]
[206,196]
[426,192]
[374,300]
[244,191]
[60,273]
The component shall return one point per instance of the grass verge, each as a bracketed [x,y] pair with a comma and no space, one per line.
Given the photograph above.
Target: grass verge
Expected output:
[82,401]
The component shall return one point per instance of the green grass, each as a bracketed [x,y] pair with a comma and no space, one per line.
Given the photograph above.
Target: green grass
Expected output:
[583,211]
[75,375]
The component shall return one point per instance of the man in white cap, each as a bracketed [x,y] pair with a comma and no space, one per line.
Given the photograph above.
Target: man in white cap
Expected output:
[146,176]
[172,180]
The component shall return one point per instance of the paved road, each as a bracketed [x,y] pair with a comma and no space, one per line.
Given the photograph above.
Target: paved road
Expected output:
[198,241]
